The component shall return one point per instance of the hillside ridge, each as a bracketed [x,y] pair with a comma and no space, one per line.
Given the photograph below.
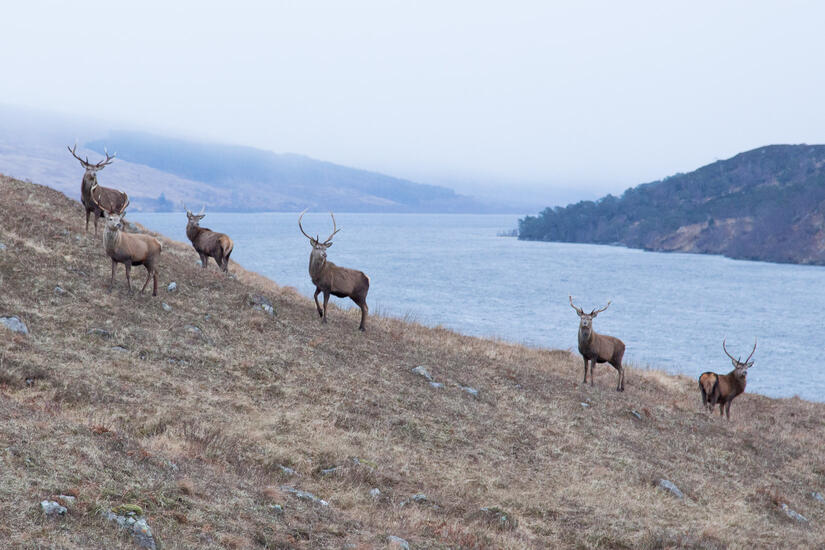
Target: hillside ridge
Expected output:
[764,204]
[217,420]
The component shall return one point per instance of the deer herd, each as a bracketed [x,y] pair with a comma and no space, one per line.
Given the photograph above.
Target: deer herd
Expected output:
[133,249]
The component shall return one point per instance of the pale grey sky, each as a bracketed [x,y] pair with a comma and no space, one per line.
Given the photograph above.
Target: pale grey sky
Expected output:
[596,95]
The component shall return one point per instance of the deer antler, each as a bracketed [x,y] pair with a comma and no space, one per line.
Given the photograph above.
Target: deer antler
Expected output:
[106,162]
[202,210]
[302,227]
[726,350]
[72,150]
[752,352]
[578,309]
[334,229]
[94,200]
[597,311]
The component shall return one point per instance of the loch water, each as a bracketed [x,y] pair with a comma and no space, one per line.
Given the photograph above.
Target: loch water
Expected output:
[672,310]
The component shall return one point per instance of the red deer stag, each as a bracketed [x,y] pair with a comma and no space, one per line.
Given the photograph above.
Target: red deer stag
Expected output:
[723,388]
[332,279]
[110,199]
[128,248]
[208,243]
[598,348]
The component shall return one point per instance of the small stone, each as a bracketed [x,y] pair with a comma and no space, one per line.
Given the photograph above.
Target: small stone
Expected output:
[59,291]
[14,324]
[173,286]
[671,487]
[585,405]
[268,309]
[134,523]
[436,384]
[305,495]
[165,306]
[261,303]
[818,496]
[286,470]
[277,508]
[796,516]
[120,349]
[329,471]
[99,332]
[2,246]
[192,328]
[421,371]
[375,492]
[397,542]
[52,508]
[68,499]
[636,414]
[471,391]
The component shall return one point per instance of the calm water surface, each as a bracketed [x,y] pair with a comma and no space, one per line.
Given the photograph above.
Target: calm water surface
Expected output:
[672,310]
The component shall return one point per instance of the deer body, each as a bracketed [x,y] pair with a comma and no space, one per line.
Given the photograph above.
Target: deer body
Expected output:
[598,348]
[108,199]
[336,280]
[129,249]
[208,243]
[724,388]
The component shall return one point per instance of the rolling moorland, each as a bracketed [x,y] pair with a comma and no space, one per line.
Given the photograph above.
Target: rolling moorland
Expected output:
[209,415]
[765,204]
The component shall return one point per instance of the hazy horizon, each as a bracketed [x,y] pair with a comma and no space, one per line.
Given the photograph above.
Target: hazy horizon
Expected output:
[554,100]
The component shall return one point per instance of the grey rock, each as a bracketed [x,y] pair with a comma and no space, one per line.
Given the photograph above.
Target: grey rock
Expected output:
[375,492]
[277,508]
[305,495]
[585,405]
[120,349]
[165,306]
[286,470]
[103,333]
[261,303]
[817,496]
[436,384]
[419,498]
[137,526]
[421,371]
[2,246]
[329,471]
[52,508]
[397,542]
[68,499]
[671,487]
[14,324]
[173,286]
[636,414]
[470,390]
[796,516]
[59,290]
[192,328]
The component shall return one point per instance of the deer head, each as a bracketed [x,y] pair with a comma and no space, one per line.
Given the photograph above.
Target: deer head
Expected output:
[586,319]
[319,249]
[114,220]
[740,367]
[194,219]
[92,168]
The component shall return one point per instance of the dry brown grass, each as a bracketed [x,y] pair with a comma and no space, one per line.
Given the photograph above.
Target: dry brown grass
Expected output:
[194,427]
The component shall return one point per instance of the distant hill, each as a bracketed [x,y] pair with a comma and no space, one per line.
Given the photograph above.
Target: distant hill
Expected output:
[254,179]
[765,204]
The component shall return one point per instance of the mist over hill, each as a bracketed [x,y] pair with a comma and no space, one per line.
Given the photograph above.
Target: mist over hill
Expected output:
[764,204]
[254,179]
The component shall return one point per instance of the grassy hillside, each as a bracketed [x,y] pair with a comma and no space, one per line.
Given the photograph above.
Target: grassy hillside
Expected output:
[193,414]
[765,204]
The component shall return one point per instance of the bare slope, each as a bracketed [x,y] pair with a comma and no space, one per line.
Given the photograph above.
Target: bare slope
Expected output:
[191,413]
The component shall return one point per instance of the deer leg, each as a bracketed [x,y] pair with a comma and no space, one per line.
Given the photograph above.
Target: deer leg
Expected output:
[326,300]
[112,281]
[727,409]
[364,310]
[88,212]
[318,307]
[148,276]
[128,267]
[585,370]
[620,387]
[203,259]
[96,218]
[155,285]
[592,371]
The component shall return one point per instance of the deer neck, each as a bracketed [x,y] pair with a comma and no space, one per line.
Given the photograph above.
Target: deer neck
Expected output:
[111,239]
[89,180]
[192,231]
[738,380]
[317,264]
[585,337]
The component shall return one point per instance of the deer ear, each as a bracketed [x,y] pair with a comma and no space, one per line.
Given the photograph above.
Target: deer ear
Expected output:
[327,245]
